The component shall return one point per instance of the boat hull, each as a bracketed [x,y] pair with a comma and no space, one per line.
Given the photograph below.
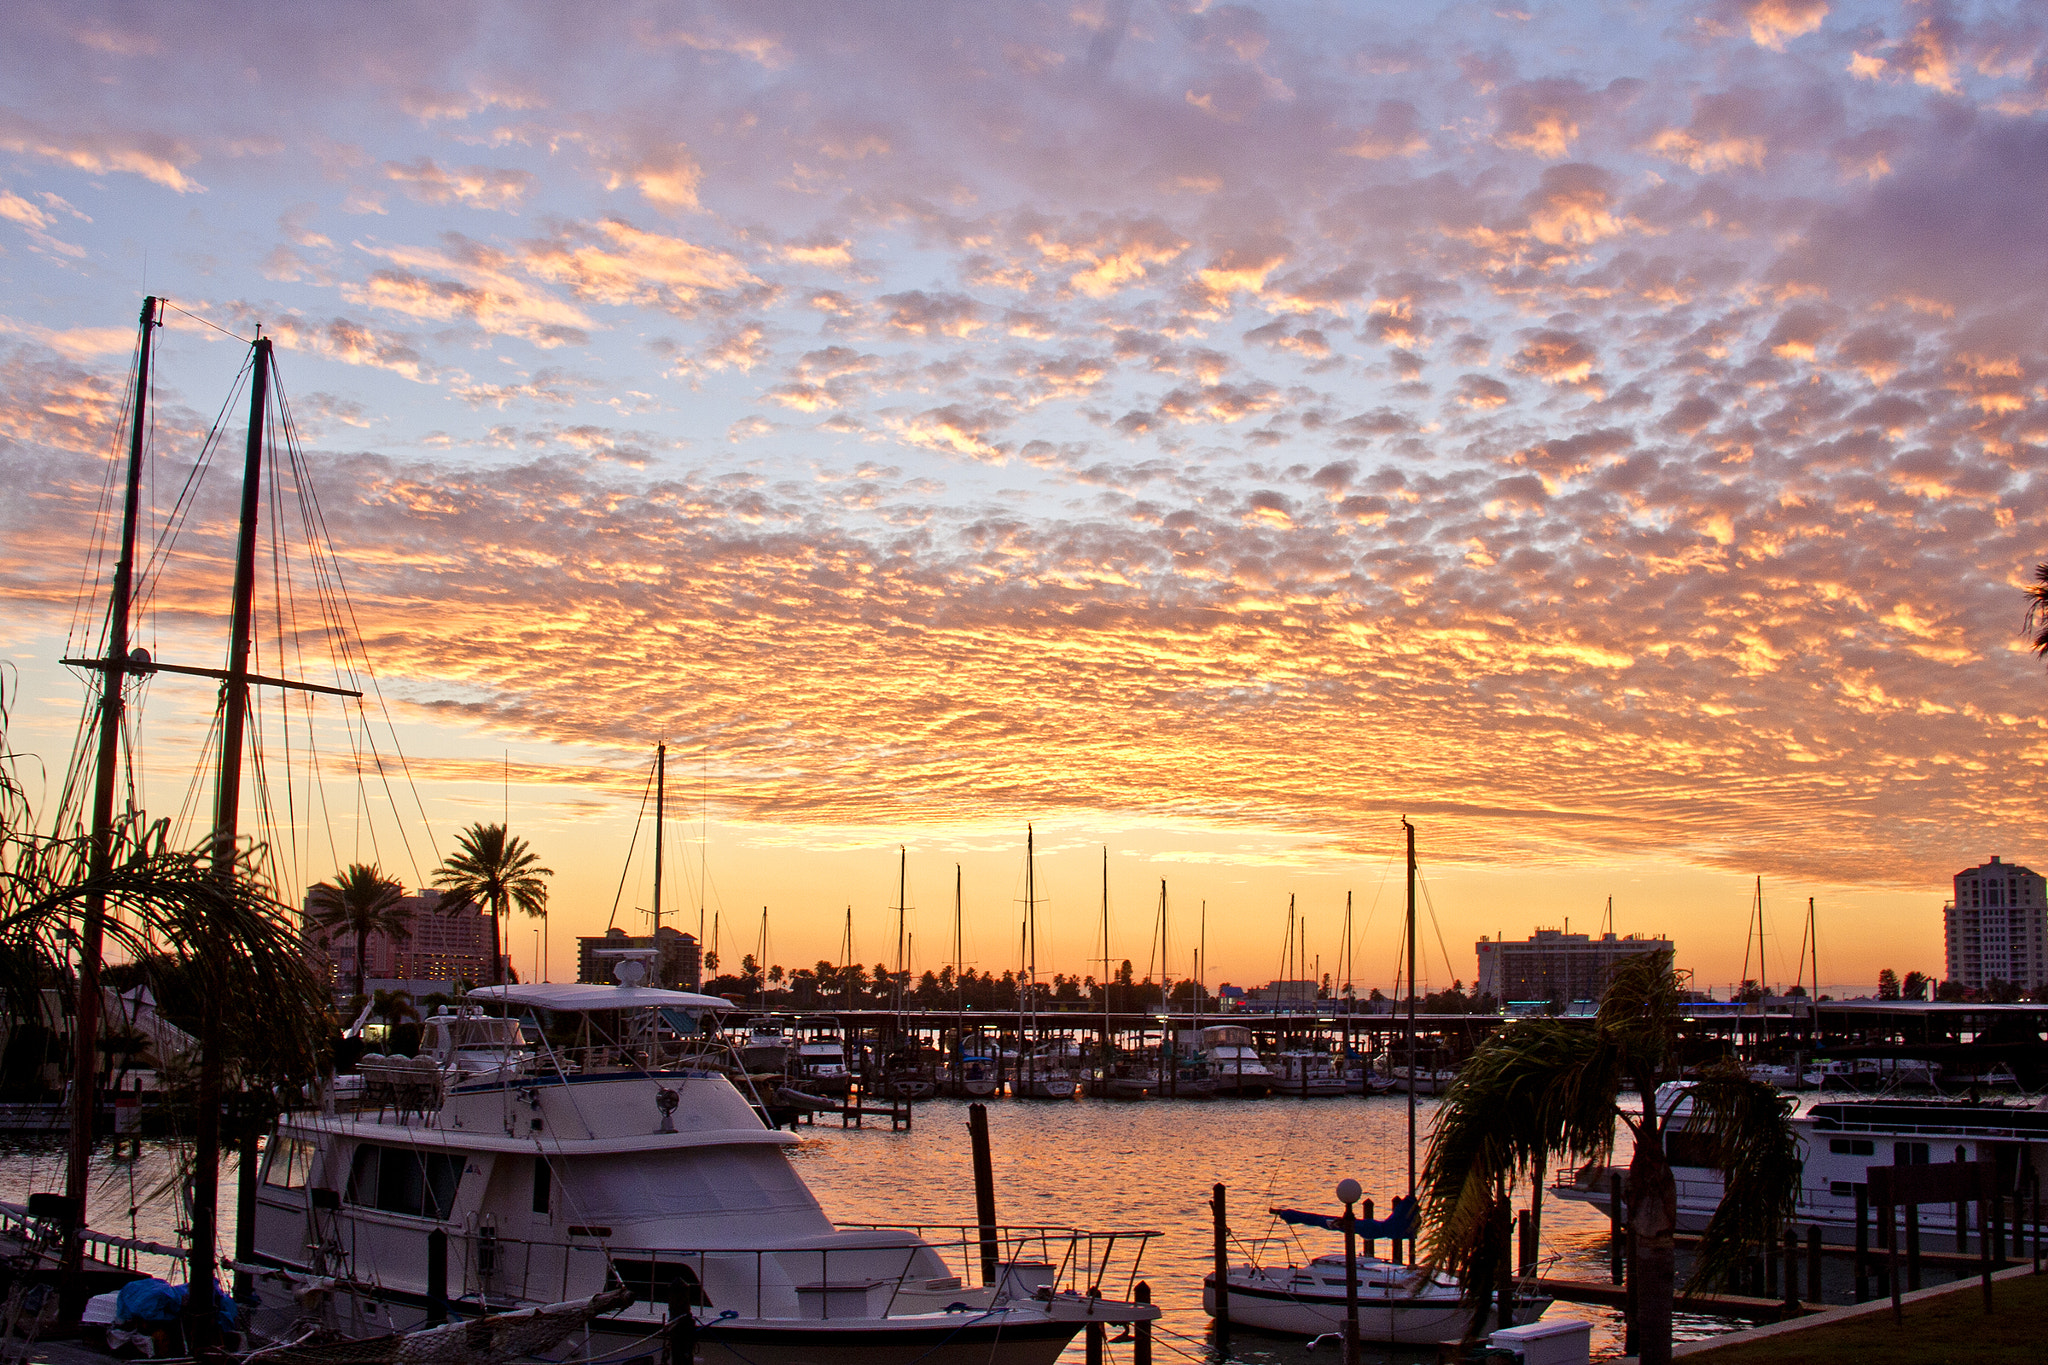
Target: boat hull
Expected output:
[1264,1303]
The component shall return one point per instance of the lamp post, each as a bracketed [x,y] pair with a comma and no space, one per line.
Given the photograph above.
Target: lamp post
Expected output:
[1348,1192]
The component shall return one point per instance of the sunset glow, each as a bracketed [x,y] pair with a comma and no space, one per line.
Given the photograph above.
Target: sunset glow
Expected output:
[1612,437]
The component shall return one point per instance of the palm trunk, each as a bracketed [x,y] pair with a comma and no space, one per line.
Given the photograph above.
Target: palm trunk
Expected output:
[497,969]
[362,947]
[1652,1222]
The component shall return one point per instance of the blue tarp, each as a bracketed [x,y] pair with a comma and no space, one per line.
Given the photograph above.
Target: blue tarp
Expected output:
[1399,1222]
[150,1304]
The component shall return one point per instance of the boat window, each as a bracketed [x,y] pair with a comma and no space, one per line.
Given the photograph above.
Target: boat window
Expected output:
[289,1162]
[1909,1153]
[405,1180]
[1852,1147]
[750,1181]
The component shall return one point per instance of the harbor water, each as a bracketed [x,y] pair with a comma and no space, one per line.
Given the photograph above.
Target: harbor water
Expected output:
[1086,1163]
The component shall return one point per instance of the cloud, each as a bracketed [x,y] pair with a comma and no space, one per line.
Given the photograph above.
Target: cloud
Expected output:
[487,187]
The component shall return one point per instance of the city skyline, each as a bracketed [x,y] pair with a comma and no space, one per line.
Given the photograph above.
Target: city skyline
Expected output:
[1608,437]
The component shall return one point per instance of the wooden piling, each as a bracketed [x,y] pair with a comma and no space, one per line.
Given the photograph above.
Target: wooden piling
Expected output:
[1862,1243]
[1221,1296]
[1141,1333]
[437,1278]
[1614,1256]
[984,1188]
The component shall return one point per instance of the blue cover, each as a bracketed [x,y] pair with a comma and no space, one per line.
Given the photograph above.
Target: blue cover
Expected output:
[151,1304]
[1399,1222]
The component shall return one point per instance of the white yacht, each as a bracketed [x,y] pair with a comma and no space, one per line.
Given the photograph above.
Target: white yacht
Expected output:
[606,1159]
[1233,1063]
[1839,1141]
[1307,1073]
[820,1064]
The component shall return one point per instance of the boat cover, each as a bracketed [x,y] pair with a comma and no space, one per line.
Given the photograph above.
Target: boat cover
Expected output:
[1399,1222]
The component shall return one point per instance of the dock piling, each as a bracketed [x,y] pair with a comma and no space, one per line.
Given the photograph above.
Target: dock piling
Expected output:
[1792,1271]
[437,1278]
[1222,1256]
[1614,1255]
[1813,1254]
[1862,1243]
[1141,1333]
[984,1188]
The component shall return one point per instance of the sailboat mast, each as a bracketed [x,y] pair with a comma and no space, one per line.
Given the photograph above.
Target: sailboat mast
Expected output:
[113,681]
[1201,967]
[1030,917]
[660,803]
[200,1327]
[902,895]
[1165,962]
[1410,1030]
[1105,967]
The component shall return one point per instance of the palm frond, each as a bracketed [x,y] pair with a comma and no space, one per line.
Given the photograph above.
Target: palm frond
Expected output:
[1639,1013]
[2037,609]
[1534,1088]
[1744,1129]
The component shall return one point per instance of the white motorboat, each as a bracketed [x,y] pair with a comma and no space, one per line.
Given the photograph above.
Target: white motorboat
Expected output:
[1429,1080]
[1307,1073]
[622,1162]
[1839,1141]
[819,1064]
[765,1047]
[1233,1063]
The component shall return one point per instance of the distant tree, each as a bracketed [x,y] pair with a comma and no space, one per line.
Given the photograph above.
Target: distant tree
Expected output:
[1795,992]
[1915,987]
[1123,972]
[1887,984]
[1749,993]
[775,974]
[1951,990]
[2037,609]
[2001,992]
[494,868]
[360,901]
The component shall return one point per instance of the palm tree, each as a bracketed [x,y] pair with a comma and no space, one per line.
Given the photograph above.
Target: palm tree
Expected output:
[2037,609]
[361,901]
[496,870]
[1542,1087]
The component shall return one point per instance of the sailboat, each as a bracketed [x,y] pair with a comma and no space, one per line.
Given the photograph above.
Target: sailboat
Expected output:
[1398,1301]
[1042,1073]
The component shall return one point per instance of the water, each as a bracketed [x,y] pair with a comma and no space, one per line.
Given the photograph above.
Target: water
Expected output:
[1086,1163]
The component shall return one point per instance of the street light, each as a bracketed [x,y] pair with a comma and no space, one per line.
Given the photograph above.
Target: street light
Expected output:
[1348,1192]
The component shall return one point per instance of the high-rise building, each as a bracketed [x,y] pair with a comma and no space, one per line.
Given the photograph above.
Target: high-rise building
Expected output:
[1553,967]
[1996,926]
[442,945]
[681,967]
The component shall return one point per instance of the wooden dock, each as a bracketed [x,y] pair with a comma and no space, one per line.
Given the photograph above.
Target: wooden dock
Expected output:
[1742,1306]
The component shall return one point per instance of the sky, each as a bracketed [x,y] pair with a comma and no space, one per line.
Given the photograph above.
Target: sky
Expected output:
[1609,435]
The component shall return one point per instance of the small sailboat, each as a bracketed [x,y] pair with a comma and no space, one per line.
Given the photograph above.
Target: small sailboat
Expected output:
[1396,1303]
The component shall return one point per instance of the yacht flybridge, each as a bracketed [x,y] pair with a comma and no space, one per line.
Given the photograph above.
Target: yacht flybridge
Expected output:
[604,1148]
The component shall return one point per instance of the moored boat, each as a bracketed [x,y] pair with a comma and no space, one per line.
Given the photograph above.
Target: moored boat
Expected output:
[627,1162]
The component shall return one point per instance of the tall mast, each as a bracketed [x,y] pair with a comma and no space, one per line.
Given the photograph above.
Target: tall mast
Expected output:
[200,1327]
[1813,937]
[1030,917]
[1201,967]
[1350,993]
[1165,962]
[959,988]
[1410,1030]
[1105,966]
[902,951]
[660,803]
[113,680]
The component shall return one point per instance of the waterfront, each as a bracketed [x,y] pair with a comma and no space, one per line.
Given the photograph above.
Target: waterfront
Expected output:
[1091,1163]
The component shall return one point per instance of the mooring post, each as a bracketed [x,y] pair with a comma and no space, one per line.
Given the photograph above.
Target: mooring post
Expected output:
[984,1189]
[245,1206]
[1912,1245]
[1141,1333]
[1962,1217]
[2036,1174]
[1770,1268]
[1614,1256]
[1370,1241]
[1348,1191]
[1525,1238]
[1221,1296]
[1987,1238]
[1813,1249]
[437,1278]
[1791,1270]
[1862,1243]
[1891,1258]
[1094,1329]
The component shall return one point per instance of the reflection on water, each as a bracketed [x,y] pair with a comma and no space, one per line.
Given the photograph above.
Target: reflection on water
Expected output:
[1088,1163]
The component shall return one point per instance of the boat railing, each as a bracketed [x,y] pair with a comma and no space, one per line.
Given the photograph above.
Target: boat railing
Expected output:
[1029,1262]
[122,1253]
[1082,1259]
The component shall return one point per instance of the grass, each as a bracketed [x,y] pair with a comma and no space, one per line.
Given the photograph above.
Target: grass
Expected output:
[1946,1329]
